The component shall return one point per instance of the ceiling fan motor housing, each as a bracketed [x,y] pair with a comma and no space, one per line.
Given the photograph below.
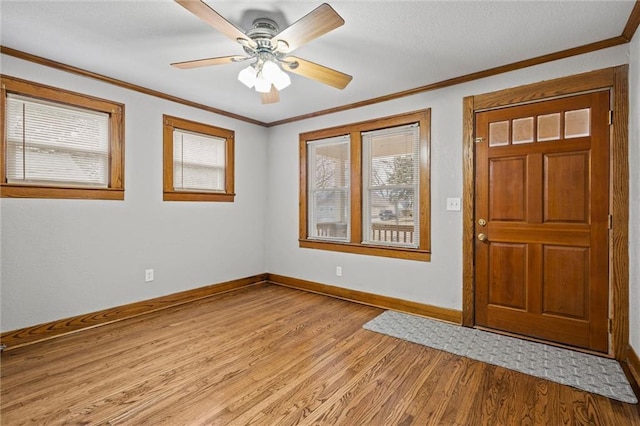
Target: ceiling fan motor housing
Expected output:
[263,30]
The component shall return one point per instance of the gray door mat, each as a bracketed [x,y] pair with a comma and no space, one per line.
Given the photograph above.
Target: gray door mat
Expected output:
[590,373]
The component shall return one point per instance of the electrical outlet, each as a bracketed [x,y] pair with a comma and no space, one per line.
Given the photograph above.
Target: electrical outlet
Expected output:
[148,275]
[338,271]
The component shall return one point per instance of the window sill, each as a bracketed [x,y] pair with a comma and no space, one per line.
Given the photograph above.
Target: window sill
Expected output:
[198,196]
[394,252]
[28,191]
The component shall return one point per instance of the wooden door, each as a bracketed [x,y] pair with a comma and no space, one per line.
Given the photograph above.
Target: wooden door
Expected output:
[542,213]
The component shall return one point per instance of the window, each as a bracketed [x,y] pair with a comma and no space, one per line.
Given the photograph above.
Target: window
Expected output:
[365,187]
[198,161]
[59,144]
[391,194]
[329,192]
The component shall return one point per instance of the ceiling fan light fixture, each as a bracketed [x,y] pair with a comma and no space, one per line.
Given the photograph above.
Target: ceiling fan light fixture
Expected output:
[273,73]
[248,76]
[268,49]
[262,85]
[270,70]
[282,81]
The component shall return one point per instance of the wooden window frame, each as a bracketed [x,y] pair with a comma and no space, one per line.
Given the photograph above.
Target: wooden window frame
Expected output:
[355,245]
[115,186]
[170,124]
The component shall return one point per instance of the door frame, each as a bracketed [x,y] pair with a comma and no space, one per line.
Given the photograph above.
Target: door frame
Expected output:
[614,79]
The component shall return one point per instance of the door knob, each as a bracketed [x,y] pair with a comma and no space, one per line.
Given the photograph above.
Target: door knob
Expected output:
[482,237]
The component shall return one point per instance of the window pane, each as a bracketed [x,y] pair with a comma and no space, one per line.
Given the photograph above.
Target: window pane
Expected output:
[198,162]
[329,195]
[391,160]
[577,123]
[330,210]
[54,143]
[522,130]
[549,127]
[499,133]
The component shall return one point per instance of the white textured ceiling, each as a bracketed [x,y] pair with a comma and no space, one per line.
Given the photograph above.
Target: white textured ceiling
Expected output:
[387,46]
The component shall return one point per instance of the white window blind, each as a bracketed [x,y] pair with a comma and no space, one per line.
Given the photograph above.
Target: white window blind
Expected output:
[391,182]
[328,193]
[198,162]
[50,143]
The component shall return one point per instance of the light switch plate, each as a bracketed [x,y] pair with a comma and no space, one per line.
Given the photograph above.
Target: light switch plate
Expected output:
[453,204]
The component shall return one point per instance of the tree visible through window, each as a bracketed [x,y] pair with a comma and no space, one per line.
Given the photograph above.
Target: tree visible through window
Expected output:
[391,196]
[329,189]
[365,187]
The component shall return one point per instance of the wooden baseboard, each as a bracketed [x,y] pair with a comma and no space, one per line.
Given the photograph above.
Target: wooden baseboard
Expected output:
[633,362]
[444,314]
[37,333]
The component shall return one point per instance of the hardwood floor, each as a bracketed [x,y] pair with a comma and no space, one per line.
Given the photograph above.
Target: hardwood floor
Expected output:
[270,355]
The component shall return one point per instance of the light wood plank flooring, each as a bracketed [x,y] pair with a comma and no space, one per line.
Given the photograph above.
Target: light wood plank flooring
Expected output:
[269,355]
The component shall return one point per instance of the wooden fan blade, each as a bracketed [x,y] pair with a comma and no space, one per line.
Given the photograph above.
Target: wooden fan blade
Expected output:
[316,23]
[208,62]
[272,97]
[317,72]
[213,18]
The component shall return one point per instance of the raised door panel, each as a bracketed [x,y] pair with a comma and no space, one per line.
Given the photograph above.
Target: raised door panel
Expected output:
[566,187]
[565,285]
[507,192]
[507,275]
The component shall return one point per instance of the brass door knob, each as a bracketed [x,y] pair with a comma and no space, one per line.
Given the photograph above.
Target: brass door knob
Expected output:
[482,237]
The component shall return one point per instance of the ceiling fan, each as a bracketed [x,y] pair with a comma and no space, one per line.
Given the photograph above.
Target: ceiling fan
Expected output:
[268,48]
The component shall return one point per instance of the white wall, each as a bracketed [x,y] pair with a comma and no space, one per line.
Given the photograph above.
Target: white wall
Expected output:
[634,193]
[62,258]
[438,282]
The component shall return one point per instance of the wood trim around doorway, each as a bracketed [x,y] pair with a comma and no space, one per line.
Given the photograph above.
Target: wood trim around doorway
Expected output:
[615,79]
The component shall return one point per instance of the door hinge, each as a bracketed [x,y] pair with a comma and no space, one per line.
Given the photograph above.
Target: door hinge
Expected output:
[610,117]
[478,140]
[610,222]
